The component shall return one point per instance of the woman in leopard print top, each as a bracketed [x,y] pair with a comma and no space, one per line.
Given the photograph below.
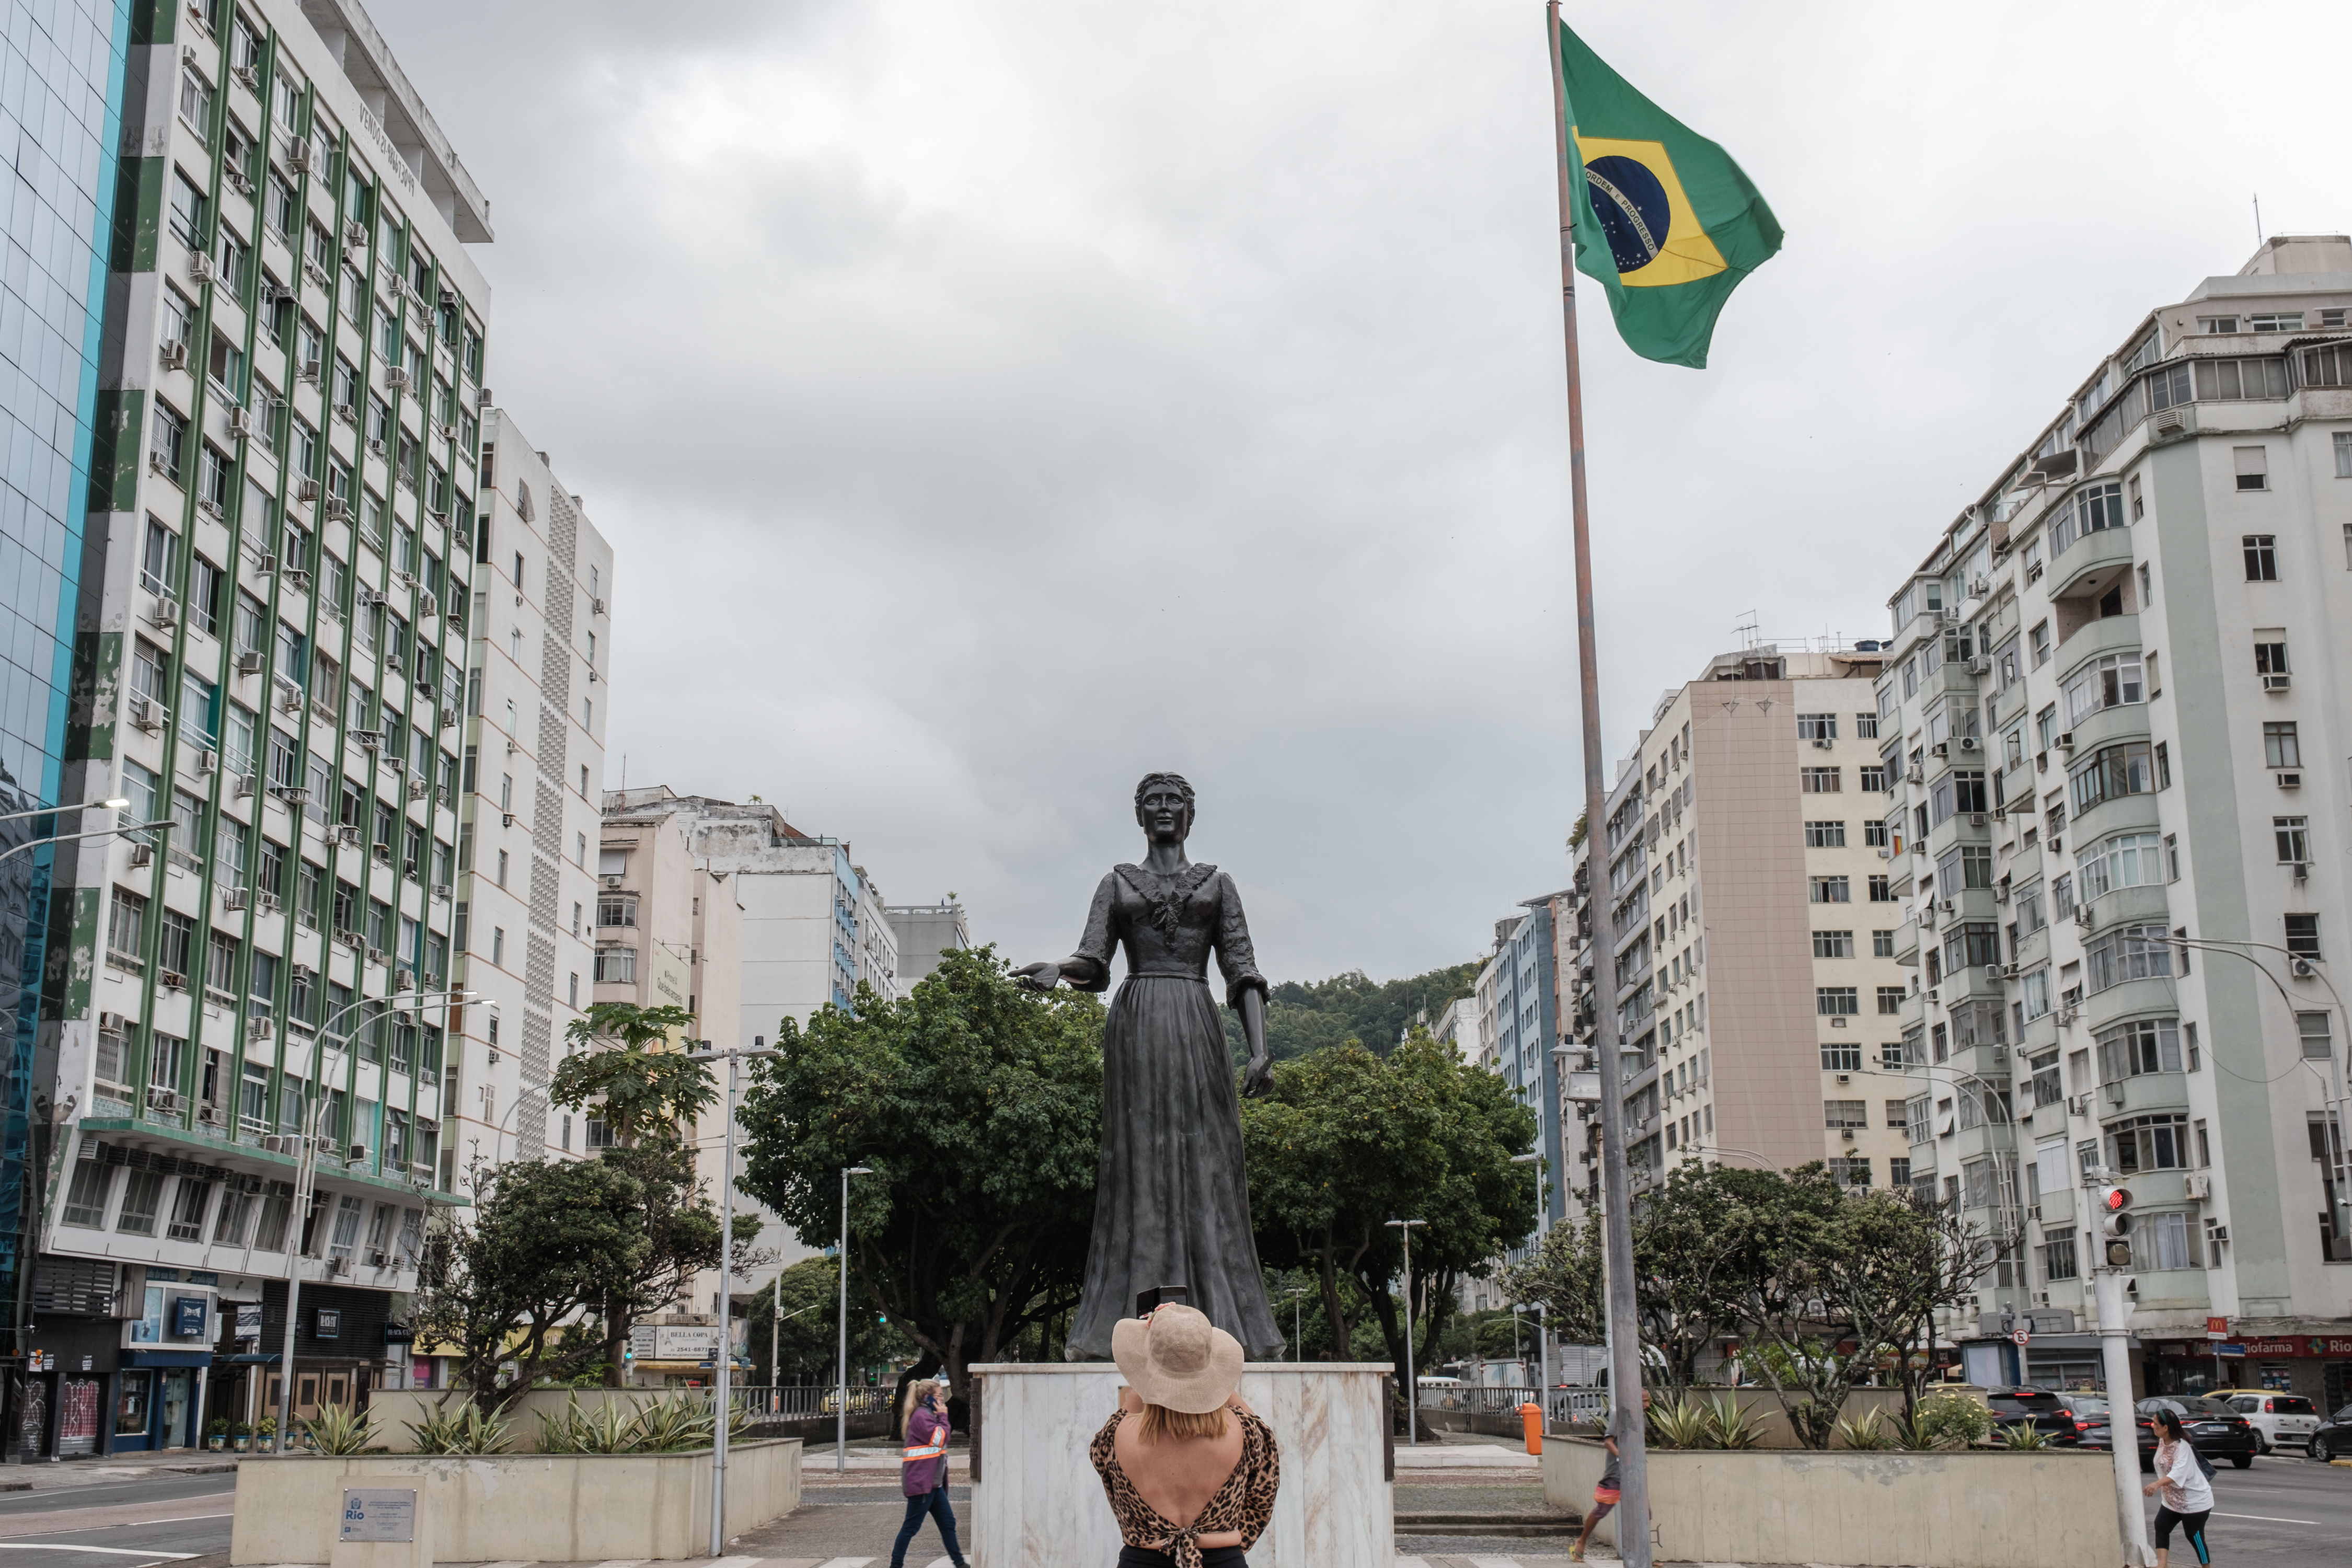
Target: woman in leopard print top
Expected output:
[1190,1470]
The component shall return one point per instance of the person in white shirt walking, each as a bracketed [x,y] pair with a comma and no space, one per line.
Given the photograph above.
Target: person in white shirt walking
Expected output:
[2188,1496]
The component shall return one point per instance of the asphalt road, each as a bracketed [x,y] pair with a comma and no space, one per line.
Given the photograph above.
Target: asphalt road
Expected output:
[2284,1513]
[116,1524]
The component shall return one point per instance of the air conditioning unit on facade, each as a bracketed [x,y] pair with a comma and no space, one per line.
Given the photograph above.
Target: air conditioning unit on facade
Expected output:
[166,614]
[200,268]
[2277,683]
[1970,744]
[2065,742]
[2198,1185]
[1940,748]
[2290,780]
[162,1102]
[2001,892]
[291,796]
[206,762]
[256,1028]
[1979,666]
[240,421]
[175,355]
[1820,744]
[2302,969]
[395,377]
[2085,916]
[310,373]
[147,714]
[2080,1105]
[354,234]
[236,897]
[249,661]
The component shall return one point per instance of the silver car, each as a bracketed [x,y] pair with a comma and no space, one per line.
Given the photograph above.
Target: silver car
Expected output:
[2279,1420]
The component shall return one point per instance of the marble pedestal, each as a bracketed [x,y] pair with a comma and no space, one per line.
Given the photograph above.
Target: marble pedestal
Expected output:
[1036,1501]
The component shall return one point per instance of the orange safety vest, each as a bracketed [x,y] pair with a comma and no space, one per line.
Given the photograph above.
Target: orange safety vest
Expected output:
[911,1455]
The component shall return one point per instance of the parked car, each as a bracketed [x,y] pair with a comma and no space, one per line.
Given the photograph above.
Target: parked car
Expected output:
[2332,1437]
[2060,1418]
[2279,1420]
[2215,1428]
[2093,1427]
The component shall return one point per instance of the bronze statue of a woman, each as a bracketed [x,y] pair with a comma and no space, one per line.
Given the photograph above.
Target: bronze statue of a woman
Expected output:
[1172,1203]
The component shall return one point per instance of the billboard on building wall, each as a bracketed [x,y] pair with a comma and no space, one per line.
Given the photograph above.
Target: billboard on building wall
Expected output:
[667,972]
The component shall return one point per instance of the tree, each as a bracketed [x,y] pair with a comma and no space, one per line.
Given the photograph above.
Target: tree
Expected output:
[1685,1294]
[614,1064]
[978,1107]
[1300,1018]
[626,1063]
[521,1283]
[1349,1141]
[808,1332]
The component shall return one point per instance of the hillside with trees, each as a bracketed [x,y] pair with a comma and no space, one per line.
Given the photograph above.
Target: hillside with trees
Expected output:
[1303,1016]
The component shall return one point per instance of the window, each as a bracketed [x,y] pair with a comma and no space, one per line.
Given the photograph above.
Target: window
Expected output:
[1817,726]
[1841,1058]
[1882,889]
[2270,653]
[2281,748]
[2254,468]
[167,441]
[86,1197]
[2094,509]
[2161,1241]
[1915,1123]
[1873,777]
[2318,1046]
[616,909]
[2127,953]
[2058,1260]
[2108,682]
[1851,1170]
[2261,557]
[2038,641]
[1835,1001]
[1821,781]
[2293,836]
[1830,889]
[2117,771]
[2126,860]
[2303,935]
[1882,945]
[1833,945]
[1838,1114]
[2344,467]
[1890,997]
[617,966]
[2036,993]
[2137,1048]
[142,1197]
[188,212]
[1825,835]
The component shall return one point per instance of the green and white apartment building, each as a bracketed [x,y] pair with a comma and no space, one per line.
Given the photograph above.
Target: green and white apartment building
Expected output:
[292,544]
[2116,728]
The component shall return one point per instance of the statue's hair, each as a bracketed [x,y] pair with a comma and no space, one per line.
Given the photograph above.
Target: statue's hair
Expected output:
[1150,779]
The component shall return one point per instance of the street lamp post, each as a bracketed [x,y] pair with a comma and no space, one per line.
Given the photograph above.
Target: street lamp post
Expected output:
[841,1414]
[15,849]
[306,1182]
[1412,1386]
[61,810]
[1543,1319]
[719,1410]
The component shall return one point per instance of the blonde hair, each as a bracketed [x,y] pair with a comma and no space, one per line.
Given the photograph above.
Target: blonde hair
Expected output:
[1158,1421]
[913,1399]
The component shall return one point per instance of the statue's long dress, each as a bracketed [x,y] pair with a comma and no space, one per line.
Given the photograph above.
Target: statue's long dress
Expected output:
[1171,1204]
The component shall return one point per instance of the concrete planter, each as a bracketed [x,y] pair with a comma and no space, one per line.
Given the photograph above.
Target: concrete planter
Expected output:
[587,1508]
[1980,1509]
[393,1410]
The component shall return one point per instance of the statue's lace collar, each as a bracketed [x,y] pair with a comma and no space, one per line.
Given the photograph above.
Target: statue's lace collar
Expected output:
[1166,895]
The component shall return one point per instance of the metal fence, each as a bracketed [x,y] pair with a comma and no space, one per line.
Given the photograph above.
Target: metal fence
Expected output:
[1562,1404]
[803,1401]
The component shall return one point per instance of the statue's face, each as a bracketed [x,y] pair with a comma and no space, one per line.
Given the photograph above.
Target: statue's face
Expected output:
[1165,818]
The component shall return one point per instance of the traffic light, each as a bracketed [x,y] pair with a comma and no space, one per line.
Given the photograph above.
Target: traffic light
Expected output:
[2117,1226]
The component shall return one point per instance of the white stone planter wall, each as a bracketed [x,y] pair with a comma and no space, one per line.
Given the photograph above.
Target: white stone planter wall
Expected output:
[1036,1501]
[588,1507]
[1982,1509]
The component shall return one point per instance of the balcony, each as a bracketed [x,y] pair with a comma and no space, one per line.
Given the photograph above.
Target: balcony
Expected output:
[2092,565]
[2106,635]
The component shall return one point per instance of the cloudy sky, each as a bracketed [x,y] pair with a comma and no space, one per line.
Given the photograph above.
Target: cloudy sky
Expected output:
[991,402]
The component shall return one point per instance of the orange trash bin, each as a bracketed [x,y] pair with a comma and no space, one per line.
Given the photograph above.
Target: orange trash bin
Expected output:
[1531,1416]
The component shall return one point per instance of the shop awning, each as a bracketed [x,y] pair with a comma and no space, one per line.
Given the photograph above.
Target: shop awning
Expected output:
[135,1355]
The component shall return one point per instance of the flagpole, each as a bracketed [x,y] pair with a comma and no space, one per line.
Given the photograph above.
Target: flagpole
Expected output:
[1616,1199]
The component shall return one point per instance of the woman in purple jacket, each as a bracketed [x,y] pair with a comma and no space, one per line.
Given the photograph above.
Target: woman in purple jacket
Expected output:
[923,1470]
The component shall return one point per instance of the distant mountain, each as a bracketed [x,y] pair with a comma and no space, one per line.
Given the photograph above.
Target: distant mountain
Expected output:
[1302,1016]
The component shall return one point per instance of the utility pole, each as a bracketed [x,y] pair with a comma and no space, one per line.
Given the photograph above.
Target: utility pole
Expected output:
[2113,1263]
[841,1415]
[1412,1384]
[719,1411]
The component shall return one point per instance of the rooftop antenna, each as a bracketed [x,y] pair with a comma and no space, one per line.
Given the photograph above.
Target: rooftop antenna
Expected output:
[2258,219]
[1746,629]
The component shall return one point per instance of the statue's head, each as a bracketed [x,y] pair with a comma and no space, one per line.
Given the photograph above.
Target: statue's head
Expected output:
[1163,807]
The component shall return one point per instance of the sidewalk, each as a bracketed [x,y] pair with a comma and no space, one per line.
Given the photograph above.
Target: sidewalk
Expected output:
[44,1475]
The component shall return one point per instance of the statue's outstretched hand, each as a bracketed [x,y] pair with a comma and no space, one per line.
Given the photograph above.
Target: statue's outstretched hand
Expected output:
[1258,1081]
[1038,976]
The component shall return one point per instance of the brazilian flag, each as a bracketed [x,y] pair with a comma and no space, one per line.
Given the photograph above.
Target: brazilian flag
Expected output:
[1665,220]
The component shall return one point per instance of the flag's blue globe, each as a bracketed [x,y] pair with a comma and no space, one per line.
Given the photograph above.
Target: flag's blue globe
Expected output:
[1631,203]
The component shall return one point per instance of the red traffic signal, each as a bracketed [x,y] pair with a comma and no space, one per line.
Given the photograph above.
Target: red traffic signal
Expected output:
[2118,1199]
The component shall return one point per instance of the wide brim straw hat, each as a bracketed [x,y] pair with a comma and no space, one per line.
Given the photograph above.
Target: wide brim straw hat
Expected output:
[1177,1359]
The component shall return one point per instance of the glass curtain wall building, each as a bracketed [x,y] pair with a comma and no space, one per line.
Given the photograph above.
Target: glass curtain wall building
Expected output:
[61,86]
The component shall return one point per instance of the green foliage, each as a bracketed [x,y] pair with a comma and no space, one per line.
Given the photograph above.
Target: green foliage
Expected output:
[1349,1140]
[640,1090]
[553,1247]
[338,1429]
[1866,1432]
[2025,1435]
[1683,1424]
[808,1332]
[464,1430]
[978,1106]
[681,1422]
[1944,1421]
[1375,1014]
[1734,1426]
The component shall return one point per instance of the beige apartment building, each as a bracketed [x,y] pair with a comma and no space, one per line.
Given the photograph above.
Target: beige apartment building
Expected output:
[1749,928]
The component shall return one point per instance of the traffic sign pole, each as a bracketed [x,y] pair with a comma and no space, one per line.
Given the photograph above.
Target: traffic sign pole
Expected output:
[2112,1266]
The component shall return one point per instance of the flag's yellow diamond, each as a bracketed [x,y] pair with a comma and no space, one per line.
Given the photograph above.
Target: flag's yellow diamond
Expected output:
[1653,237]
